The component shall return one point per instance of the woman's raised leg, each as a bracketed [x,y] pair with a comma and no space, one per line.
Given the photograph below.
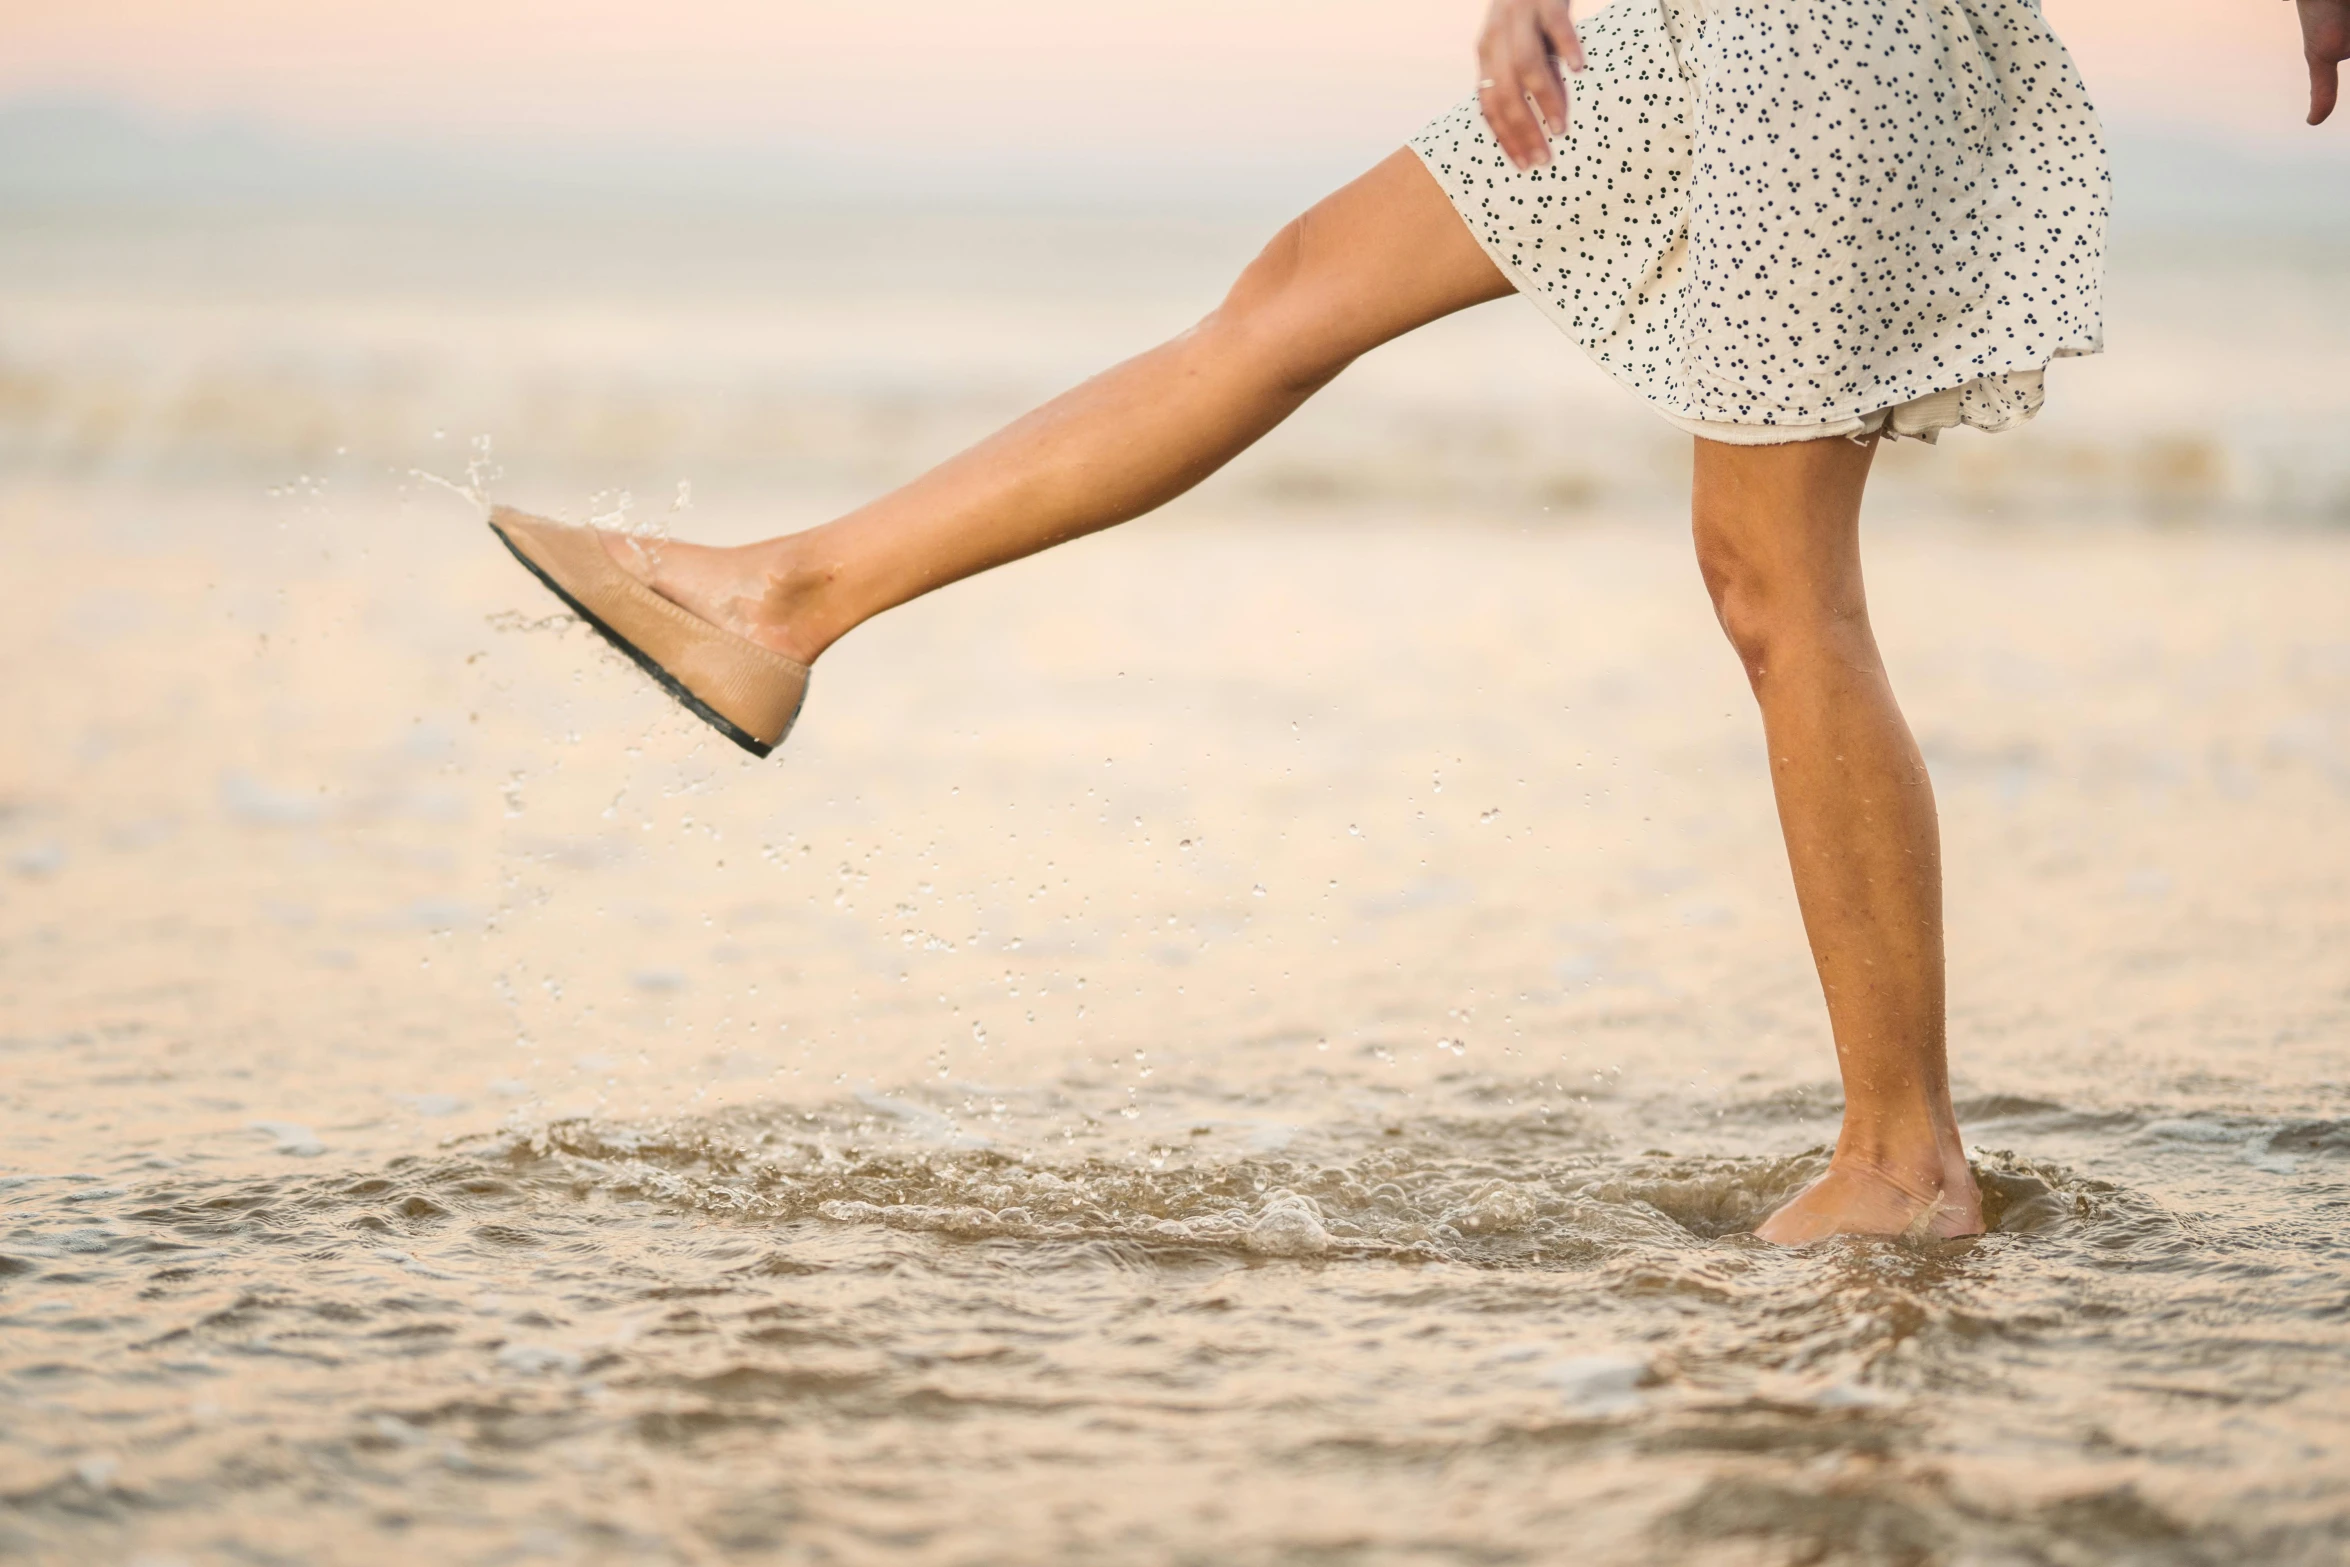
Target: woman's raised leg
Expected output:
[1778,539]
[1380,257]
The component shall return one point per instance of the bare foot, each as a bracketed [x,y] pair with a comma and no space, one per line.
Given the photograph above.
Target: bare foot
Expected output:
[1858,1198]
[738,589]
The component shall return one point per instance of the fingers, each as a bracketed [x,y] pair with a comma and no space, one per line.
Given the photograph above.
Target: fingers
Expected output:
[2325,43]
[1558,26]
[1539,81]
[1513,125]
[1522,95]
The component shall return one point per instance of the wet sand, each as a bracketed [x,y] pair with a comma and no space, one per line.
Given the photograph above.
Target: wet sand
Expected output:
[1256,1038]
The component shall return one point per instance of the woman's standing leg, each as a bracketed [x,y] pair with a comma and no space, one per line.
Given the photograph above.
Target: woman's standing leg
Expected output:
[1384,255]
[1778,539]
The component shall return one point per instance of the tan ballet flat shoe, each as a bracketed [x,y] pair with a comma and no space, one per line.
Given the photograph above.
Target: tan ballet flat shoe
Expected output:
[748,693]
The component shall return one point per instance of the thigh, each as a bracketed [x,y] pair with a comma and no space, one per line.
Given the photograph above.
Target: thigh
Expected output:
[1783,518]
[1371,261]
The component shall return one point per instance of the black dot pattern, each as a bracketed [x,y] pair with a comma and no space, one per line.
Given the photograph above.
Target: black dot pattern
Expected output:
[1801,212]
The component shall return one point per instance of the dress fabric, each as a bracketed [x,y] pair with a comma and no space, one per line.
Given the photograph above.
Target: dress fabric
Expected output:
[1782,219]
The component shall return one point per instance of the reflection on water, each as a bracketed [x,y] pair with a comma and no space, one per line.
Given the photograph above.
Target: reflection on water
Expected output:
[1257,1038]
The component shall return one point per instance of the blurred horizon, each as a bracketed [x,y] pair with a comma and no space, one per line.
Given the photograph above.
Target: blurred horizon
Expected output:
[1237,104]
[73,150]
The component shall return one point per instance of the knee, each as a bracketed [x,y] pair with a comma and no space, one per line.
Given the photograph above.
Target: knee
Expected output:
[1273,317]
[1768,607]
[1743,605]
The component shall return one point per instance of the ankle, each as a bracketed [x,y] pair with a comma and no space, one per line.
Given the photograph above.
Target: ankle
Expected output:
[1920,1157]
[800,604]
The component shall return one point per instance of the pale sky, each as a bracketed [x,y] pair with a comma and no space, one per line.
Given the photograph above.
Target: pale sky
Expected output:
[1093,79]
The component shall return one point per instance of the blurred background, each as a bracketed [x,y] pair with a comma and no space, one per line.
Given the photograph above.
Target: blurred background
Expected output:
[812,248]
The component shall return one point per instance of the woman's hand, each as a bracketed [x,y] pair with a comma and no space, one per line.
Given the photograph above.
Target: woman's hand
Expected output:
[1522,94]
[2325,41]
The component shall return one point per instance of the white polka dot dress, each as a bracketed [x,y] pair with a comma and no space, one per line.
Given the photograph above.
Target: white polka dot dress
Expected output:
[1784,219]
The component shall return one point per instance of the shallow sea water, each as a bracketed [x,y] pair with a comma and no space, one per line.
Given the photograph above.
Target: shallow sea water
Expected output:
[1256,1038]
[872,1332]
